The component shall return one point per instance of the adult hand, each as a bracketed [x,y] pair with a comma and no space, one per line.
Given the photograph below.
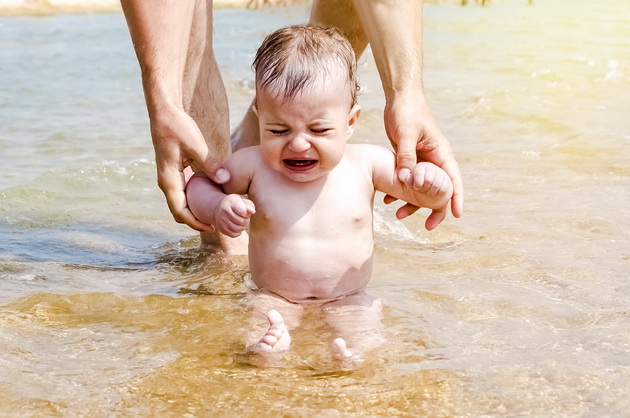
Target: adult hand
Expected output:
[178,144]
[415,136]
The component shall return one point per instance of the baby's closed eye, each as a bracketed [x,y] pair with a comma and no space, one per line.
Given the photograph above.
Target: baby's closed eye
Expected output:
[278,131]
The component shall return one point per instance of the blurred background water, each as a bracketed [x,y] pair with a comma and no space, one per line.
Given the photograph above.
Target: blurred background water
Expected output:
[521,307]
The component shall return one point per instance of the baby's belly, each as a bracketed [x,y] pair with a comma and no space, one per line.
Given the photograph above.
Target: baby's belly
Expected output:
[310,272]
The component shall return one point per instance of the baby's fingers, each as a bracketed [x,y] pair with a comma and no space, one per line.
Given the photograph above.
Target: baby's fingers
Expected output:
[441,185]
[436,186]
[234,224]
[421,178]
[242,207]
[249,206]
[436,217]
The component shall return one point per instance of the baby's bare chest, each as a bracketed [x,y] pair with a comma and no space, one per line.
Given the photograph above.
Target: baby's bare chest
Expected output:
[324,212]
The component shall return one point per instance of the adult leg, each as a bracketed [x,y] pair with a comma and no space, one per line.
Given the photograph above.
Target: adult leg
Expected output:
[340,14]
[205,100]
[246,133]
[204,96]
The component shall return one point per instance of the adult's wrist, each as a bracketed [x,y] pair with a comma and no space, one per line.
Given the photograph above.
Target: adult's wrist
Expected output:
[413,98]
[162,108]
[409,92]
[160,95]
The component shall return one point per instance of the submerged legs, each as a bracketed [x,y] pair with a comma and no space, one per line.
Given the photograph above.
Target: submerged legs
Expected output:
[355,320]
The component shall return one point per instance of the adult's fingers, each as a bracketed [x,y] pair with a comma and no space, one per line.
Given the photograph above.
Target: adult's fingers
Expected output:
[436,217]
[212,166]
[406,210]
[406,157]
[457,201]
[201,159]
[172,183]
[387,199]
[189,219]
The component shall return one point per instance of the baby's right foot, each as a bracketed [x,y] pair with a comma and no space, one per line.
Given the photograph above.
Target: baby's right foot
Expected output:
[340,350]
[347,358]
[276,338]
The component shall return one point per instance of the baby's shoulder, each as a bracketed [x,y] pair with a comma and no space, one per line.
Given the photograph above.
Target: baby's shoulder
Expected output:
[245,157]
[378,161]
[245,154]
[367,152]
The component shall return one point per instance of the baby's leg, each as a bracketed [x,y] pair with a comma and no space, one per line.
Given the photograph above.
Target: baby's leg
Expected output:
[272,319]
[357,320]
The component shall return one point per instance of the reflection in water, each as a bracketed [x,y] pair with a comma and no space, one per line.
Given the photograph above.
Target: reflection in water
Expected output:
[107,307]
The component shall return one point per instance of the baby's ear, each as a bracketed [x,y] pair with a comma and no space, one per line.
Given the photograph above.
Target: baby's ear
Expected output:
[353,116]
[255,107]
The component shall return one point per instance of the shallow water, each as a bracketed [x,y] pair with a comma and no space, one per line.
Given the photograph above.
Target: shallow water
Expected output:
[521,307]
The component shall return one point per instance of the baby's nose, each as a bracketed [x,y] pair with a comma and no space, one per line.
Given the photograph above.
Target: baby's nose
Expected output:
[299,144]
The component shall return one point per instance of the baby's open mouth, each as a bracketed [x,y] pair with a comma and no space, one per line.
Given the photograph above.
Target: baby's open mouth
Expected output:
[299,164]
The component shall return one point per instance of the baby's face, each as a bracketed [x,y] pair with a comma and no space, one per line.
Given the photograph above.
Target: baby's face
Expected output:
[304,137]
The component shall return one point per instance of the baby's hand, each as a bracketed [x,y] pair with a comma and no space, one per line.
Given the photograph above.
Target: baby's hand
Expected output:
[429,179]
[233,213]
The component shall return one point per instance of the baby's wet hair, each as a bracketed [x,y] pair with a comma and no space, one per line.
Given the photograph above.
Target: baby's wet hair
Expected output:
[295,57]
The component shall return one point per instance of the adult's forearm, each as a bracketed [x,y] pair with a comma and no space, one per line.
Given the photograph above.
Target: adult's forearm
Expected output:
[394,30]
[160,31]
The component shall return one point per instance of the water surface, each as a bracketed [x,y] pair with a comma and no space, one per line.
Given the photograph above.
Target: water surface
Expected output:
[521,307]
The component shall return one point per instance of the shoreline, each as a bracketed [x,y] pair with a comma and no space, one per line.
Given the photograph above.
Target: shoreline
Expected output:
[51,7]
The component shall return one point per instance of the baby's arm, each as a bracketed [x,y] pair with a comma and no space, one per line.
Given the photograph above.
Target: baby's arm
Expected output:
[427,185]
[228,213]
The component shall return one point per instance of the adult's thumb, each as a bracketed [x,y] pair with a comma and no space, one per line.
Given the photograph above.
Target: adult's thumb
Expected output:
[215,171]
[406,156]
[221,176]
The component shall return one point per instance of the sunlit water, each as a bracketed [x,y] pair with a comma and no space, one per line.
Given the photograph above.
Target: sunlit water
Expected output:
[521,307]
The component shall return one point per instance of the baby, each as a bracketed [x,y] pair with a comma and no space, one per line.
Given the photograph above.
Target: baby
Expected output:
[309,193]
